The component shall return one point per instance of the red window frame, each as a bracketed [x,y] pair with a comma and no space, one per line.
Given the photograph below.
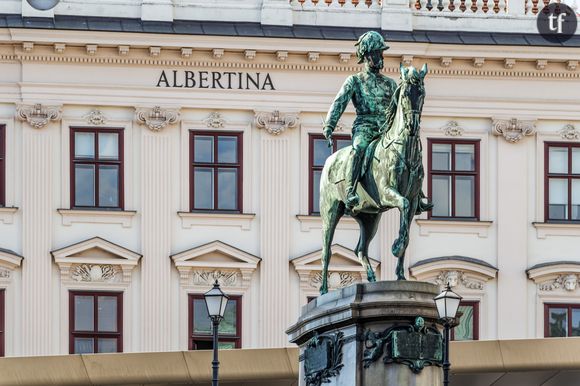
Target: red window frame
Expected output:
[453,173]
[475,305]
[569,177]
[2,322]
[95,334]
[215,166]
[2,165]
[97,162]
[569,306]
[236,339]
[312,168]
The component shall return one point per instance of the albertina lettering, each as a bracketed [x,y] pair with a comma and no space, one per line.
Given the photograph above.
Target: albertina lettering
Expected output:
[216,80]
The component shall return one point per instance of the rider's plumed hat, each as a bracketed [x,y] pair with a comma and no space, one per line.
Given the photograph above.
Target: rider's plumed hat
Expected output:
[369,41]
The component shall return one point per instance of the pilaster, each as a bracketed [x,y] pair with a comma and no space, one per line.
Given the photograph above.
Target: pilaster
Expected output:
[37,183]
[156,155]
[274,238]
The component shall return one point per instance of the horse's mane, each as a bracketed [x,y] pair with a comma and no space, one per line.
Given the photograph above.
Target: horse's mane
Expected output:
[392,109]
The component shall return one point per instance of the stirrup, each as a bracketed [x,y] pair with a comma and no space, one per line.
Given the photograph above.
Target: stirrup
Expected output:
[352,199]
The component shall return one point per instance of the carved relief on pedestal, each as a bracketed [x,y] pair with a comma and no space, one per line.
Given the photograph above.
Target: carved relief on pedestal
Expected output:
[96,273]
[38,115]
[513,130]
[276,122]
[156,118]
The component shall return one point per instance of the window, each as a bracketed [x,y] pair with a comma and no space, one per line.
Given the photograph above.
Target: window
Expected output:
[561,320]
[319,152]
[216,172]
[2,165]
[562,186]
[97,168]
[454,179]
[200,329]
[468,328]
[96,322]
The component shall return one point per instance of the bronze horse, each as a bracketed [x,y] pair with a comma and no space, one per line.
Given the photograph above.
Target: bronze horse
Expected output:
[393,176]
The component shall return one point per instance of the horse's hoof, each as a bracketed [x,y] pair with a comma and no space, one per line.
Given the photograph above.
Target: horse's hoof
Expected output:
[371,278]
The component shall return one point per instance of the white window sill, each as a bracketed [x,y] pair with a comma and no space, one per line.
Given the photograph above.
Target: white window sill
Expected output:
[545,229]
[479,228]
[123,217]
[309,222]
[236,220]
[7,214]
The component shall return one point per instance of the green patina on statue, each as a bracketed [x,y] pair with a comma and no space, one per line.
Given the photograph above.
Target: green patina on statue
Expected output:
[383,169]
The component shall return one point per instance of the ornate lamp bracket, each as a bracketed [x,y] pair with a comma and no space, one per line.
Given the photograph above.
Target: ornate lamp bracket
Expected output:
[156,118]
[276,122]
[513,130]
[38,115]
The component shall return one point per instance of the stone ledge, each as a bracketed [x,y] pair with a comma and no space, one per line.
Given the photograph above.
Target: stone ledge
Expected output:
[545,229]
[309,222]
[239,220]
[479,228]
[85,216]
[7,214]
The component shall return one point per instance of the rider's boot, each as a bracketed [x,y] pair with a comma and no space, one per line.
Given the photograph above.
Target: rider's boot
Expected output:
[352,198]
[423,206]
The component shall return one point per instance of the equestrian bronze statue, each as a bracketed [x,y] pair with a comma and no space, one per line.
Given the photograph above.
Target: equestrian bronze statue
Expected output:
[383,169]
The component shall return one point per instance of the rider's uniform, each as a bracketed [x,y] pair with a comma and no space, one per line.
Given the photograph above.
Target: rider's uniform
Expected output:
[371,94]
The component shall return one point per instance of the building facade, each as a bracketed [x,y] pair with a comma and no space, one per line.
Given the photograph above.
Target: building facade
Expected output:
[150,148]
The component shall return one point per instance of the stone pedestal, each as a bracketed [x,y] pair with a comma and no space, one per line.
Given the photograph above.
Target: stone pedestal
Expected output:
[371,334]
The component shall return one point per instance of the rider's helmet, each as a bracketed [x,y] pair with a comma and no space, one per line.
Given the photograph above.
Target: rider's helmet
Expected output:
[368,42]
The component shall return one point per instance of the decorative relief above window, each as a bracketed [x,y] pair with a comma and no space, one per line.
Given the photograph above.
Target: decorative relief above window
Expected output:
[156,118]
[513,130]
[37,115]
[343,271]
[276,122]
[215,121]
[452,129]
[459,271]
[96,117]
[202,266]
[562,276]
[569,132]
[96,261]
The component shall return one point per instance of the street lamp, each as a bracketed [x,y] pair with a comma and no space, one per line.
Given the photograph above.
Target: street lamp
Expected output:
[216,302]
[447,304]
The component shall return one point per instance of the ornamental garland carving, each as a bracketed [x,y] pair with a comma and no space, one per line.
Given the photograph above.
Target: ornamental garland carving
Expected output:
[38,115]
[453,129]
[95,273]
[215,121]
[276,122]
[225,278]
[156,118]
[96,117]
[336,280]
[513,130]
[569,132]
[569,282]
[454,278]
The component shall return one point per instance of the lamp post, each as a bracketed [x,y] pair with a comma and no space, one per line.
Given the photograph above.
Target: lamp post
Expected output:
[447,304]
[216,302]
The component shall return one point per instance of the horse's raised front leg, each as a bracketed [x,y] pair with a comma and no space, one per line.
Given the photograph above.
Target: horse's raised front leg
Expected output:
[330,214]
[394,199]
[400,271]
[369,223]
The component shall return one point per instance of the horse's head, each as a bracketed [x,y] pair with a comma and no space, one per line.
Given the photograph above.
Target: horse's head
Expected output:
[412,96]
